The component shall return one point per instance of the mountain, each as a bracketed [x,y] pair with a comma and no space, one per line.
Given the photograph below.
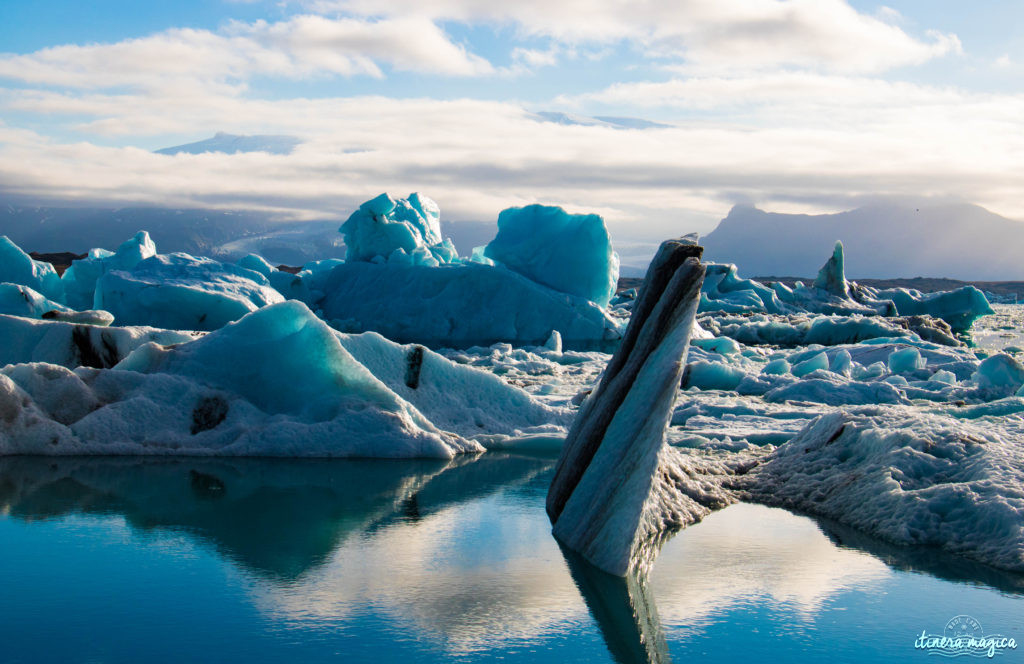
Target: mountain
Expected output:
[958,241]
[614,122]
[233,143]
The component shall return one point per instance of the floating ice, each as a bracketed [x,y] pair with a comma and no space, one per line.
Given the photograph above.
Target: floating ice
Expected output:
[72,345]
[460,306]
[832,276]
[1000,373]
[183,292]
[571,253]
[17,267]
[18,300]
[614,496]
[903,360]
[80,278]
[406,231]
[278,382]
[907,477]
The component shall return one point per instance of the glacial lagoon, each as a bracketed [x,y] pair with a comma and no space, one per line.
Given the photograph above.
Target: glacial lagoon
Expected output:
[218,560]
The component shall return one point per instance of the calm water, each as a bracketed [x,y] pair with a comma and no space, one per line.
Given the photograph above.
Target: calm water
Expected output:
[122,560]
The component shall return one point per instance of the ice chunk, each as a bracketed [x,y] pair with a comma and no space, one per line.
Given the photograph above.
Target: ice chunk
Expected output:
[960,307]
[17,267]
[834,391]
[570,253]
[183,292]
[904,360]
[554,342]
[405,230]
[705,375]
[776,367]
[18,300]
[278,382]
[1000,372]
[907,477]
[474,403]
[80,278]
[73,345]
[459,306]
[832,277]
[842,363]
[256,264]
[814,363]
[614,496]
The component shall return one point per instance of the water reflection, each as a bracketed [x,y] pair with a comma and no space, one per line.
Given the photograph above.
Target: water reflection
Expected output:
[276,517]
[457,556]
[624,610]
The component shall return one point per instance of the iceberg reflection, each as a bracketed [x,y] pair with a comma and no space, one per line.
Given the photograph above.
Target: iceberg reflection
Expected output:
[456,557]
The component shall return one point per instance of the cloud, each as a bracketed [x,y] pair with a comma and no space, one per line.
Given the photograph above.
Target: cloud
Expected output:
[785,138]
[302,46]
[750,34]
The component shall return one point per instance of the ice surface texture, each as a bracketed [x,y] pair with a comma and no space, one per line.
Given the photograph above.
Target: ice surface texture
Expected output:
[461,306]
[17,267]
[80,278]
[571,253]
[907,477]
[279,382]
[405,231]
[183,292]
[614,495]
[724,291]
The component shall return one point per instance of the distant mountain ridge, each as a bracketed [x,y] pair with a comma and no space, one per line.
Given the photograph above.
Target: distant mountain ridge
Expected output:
[611,121]
[235,143]
[957,241]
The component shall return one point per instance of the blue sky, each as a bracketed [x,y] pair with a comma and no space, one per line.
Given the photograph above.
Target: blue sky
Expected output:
[793,105]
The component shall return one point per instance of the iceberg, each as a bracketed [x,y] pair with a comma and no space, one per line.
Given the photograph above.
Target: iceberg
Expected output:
[183,292]
[18,300]
[460,306]
[726,293]
[80,278]
[278,382]
[22,301]
[571,253]
[832,275]
[405,231]
[71,345]
[616,491]
[17,267]
[906,477]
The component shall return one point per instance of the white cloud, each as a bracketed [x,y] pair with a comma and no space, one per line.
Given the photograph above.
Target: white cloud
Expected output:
[302,46]
[747,34]
[809,138]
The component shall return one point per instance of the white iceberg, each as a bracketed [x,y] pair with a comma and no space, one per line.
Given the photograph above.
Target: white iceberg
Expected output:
[907,477]
[183,292]
[72,345]
[278,382]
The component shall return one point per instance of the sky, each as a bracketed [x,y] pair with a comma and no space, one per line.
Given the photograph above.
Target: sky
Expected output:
[791,105]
